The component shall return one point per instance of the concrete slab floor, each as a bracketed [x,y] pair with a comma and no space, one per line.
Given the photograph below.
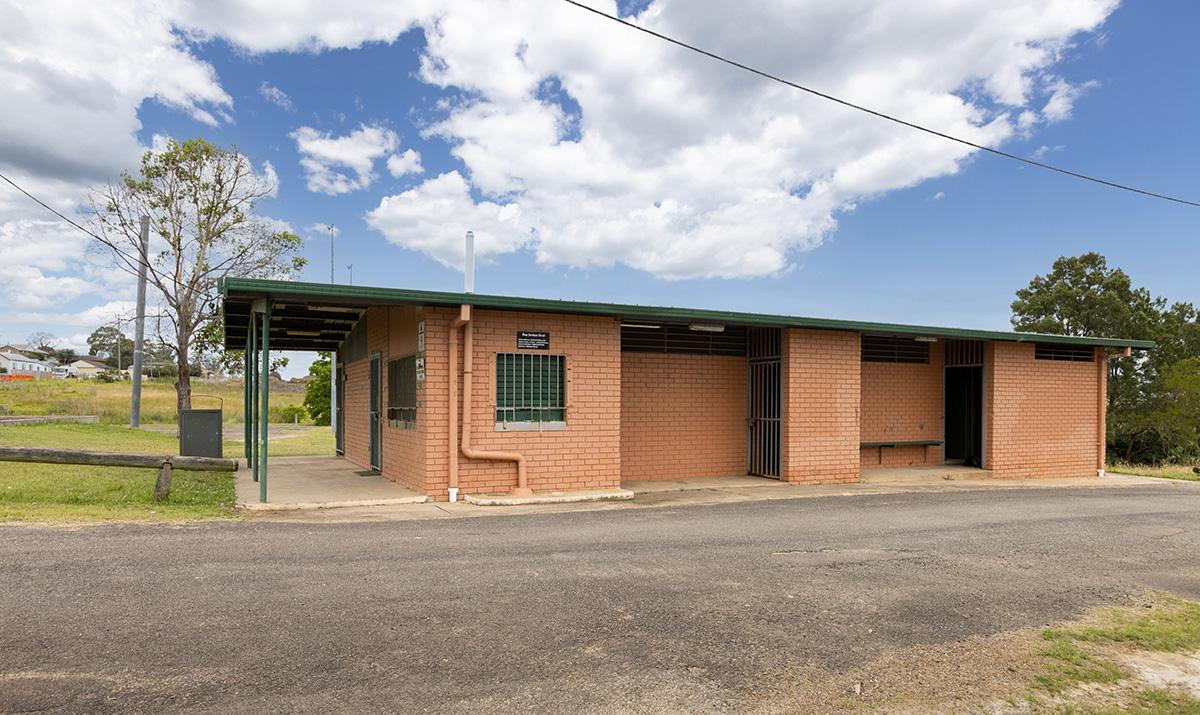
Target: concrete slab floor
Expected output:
[564,497]
[295,483]
[716,494]
[923,473]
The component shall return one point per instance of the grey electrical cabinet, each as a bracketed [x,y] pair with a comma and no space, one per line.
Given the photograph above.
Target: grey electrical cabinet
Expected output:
[200,433]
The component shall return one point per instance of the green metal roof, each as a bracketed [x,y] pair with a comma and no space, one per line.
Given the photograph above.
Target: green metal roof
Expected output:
[239,292]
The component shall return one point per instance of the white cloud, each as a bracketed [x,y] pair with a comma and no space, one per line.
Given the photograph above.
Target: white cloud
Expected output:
[408,162]
[938,196]
[276,96]
[681,167]
[583,142]
[1063,96]
[1043,150]
[338,165]
[419,219]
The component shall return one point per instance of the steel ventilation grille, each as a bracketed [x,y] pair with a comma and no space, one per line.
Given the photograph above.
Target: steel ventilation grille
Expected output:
[1064,353]
[675,338]
[890,348]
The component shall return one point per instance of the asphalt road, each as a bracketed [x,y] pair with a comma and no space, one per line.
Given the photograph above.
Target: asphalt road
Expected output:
[641,610]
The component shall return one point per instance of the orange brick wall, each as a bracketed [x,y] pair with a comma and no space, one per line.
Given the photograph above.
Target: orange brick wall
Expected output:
[391,332]
[403,449]
[682,416]
[902,402]
[822,391]
[355,407]
[586,455]
[1040,416]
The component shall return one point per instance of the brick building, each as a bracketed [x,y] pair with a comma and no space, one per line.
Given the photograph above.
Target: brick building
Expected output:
[458,390]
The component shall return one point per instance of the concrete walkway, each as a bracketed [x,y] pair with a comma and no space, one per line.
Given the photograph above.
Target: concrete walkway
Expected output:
[723,490]
[302,483]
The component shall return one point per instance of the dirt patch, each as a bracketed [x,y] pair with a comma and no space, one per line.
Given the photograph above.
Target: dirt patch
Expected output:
[966,676]
[1103,662]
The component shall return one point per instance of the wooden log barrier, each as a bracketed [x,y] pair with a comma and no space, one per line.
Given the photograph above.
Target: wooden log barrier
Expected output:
[164,464]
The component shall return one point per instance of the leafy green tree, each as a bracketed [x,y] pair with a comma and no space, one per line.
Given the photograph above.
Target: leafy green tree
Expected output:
[110,343]
[316,394]
[1081,295]
[203,227]
[64,356]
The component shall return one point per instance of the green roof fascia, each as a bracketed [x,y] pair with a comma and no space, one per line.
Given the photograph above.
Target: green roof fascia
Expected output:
[262,287]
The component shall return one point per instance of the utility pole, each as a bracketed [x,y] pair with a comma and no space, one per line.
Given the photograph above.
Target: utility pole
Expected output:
[350,267]
[330,228]
[333,355]
[139,330]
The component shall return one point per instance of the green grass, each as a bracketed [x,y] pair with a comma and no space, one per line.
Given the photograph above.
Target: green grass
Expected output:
[1151,701]
[1169,626]
[71,493]
[75,493]
[1075,655]
[110,401]
[1167,471]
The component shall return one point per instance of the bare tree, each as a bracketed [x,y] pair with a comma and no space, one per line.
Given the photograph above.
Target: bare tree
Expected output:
[200,199]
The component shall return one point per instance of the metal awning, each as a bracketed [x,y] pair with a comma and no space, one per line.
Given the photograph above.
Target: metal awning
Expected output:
[294,326]
[318,316]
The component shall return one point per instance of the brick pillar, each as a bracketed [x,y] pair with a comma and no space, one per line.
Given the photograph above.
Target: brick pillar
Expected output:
[1101,409]
[821,394]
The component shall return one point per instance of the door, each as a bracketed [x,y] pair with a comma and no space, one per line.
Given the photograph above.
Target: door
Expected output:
[339,414]
[764,428]
[964,415]
[374,431]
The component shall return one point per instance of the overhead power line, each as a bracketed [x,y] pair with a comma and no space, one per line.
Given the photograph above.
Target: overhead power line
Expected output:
[881,115]
[49,208]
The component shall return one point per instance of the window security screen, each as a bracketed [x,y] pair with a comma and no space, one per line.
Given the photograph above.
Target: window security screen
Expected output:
[402,392]
[531,388]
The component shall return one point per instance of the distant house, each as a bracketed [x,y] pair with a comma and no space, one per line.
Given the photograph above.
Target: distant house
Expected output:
[15,363]
[88,367]
[26,350]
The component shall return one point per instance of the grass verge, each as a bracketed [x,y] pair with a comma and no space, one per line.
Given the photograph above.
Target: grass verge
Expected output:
[1080,657]
[48,493]
[1166,471]
[110,401]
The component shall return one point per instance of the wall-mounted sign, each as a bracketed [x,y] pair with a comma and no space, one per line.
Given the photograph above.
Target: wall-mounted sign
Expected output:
[533,340]
[421,336]
[420,361]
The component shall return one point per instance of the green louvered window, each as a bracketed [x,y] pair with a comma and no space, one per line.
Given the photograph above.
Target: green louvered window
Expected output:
[531,391]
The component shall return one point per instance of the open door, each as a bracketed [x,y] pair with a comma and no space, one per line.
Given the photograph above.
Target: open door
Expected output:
[964,415]
[375,425]
[339,413]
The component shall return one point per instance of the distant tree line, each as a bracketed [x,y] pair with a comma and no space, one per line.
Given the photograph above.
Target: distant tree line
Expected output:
[1153,396]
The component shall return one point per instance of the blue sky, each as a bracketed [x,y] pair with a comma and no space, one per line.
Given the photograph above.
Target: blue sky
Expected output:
[933,247]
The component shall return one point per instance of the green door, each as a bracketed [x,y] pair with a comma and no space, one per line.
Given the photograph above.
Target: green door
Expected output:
[375,432]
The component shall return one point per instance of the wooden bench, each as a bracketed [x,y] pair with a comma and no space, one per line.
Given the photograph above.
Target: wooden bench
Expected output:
[926,443]
[164,465]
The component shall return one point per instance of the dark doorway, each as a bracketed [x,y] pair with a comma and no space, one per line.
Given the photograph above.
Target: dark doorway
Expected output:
[764,428]
[964,415]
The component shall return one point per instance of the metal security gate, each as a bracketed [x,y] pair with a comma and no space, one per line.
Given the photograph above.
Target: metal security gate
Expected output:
[375,431]
[764,426]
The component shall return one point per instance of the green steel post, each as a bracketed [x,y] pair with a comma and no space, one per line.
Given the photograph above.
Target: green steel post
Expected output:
[265,378]
[247,395]
[253,416]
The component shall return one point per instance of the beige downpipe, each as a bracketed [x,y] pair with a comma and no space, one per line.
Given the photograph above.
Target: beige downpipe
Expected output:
[464,321]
